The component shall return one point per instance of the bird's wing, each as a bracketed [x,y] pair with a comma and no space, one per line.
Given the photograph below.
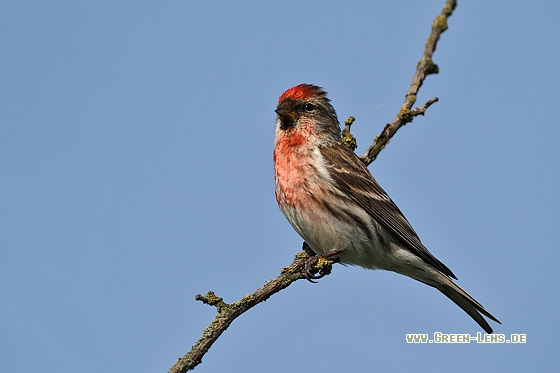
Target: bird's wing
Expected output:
[352,176]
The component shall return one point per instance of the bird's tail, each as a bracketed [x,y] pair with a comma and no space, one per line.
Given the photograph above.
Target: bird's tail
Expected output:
[461,298]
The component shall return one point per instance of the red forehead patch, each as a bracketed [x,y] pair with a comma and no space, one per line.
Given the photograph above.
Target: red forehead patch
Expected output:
[300,92]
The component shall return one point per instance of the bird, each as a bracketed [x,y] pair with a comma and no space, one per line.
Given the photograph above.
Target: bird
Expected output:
[334,203]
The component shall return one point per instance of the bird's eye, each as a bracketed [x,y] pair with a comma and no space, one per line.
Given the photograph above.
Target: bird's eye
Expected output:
[309,107]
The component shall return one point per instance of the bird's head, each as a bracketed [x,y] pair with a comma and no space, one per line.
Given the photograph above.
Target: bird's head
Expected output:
[306,110]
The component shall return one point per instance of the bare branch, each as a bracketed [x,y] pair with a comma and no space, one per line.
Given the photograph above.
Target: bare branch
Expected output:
[421,110]
[227,313]
[424,68]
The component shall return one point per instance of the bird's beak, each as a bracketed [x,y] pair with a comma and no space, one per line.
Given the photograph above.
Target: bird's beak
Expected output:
[286,114]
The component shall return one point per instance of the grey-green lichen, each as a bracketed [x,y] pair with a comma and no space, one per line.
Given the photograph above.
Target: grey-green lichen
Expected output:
[447,10]
[411,99]
[440,22]
[349,140]
[405,115]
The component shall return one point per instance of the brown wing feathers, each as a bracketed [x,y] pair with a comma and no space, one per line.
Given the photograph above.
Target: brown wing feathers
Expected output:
[363,189]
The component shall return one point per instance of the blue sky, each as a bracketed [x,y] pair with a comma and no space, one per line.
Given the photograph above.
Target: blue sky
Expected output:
[136,171]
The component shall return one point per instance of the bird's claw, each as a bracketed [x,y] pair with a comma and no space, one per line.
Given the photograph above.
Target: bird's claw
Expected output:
[319,266]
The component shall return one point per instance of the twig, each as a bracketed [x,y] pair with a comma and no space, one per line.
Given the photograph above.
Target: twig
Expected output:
[227,313]
[424,68]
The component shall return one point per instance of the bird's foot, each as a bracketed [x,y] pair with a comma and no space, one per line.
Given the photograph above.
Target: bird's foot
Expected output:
[318,266]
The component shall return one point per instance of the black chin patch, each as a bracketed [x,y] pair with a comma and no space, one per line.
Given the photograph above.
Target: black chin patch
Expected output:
[284,125]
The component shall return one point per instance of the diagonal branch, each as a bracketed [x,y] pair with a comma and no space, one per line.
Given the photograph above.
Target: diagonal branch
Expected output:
[227,313]
[424,68]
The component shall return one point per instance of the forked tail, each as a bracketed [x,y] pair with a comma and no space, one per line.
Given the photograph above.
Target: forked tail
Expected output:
[466,302]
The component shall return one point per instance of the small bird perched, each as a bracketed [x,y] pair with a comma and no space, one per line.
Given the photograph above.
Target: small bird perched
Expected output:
[334,203]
